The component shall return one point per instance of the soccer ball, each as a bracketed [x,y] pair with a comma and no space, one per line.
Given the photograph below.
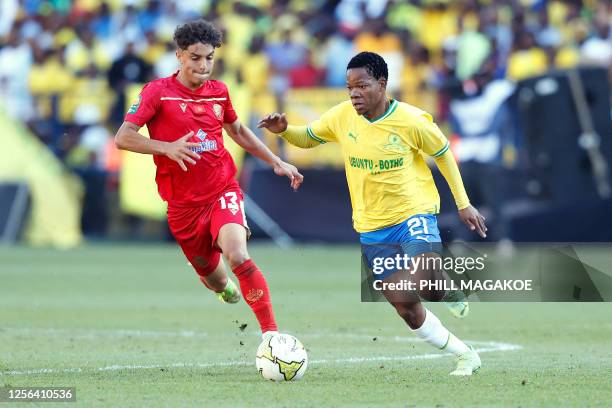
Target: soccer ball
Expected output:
[281,357]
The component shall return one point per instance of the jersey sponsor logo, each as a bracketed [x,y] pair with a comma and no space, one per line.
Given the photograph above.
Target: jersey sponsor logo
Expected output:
[395,144]
[201,134]
[218,109]
[390,164]
[205,145]
[361,163]
[375,167]
[183,106]
[135,105]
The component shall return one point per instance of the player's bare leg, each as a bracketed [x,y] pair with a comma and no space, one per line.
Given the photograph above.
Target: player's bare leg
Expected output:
[427,326]
[224,287]
[454,300]
[217,281]
[232,241]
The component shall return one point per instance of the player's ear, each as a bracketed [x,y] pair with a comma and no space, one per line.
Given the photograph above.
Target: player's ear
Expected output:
[383,82]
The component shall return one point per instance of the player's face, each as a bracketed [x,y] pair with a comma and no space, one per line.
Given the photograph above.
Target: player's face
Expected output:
[196,62]
[366,92]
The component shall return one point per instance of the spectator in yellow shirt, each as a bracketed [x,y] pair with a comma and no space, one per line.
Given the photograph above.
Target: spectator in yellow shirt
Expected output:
[527,59]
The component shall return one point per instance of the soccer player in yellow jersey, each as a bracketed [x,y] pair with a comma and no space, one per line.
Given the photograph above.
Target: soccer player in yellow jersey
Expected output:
[392,191]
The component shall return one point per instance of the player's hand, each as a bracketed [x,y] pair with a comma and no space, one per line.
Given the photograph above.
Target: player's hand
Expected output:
[285,169]
[474,220]
[180,151]
[275,123]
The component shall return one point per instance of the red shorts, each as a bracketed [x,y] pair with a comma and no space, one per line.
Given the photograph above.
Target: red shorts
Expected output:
[196,228]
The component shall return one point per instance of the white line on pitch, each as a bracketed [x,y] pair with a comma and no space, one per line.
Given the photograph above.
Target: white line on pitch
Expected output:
[487,347]
[99,333]
[93,334]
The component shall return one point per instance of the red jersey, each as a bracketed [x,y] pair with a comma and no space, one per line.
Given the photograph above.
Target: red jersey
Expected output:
[170,110]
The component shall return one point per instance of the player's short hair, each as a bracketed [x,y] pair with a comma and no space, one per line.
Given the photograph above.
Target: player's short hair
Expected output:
[197,31]
[372,62]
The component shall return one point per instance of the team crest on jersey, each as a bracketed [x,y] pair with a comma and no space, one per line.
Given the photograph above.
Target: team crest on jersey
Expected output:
[395,144]
[218,110]
[183,106]
[135,105]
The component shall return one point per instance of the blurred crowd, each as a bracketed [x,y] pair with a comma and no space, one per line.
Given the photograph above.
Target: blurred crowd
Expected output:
[66,65]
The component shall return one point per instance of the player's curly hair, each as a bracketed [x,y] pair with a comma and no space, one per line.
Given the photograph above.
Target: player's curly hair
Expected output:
[372,62]
[197,31]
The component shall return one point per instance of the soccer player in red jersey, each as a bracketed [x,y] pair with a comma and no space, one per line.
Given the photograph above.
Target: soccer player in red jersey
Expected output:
[185,114]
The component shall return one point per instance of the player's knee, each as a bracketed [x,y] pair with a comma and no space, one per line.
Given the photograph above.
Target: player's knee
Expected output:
[236,256]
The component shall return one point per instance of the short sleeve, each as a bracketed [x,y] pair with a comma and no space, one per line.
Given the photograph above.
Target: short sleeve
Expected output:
[428,137]
[322,129]
[229,115]
[144,107]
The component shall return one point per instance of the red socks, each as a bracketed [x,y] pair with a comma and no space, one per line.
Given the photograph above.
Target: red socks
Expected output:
[256,293]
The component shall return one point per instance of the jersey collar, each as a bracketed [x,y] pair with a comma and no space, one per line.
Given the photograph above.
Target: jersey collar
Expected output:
[392,106]
[184,88]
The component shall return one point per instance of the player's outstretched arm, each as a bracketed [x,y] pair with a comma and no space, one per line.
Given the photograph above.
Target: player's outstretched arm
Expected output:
[467,213]
[128,138]
[295,135]
[249,142]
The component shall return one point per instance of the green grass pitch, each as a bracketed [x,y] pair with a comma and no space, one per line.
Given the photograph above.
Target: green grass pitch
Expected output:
[131,326]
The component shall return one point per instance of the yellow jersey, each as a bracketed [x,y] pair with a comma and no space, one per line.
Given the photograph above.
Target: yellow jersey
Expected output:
[388,178]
